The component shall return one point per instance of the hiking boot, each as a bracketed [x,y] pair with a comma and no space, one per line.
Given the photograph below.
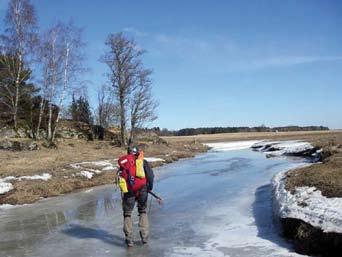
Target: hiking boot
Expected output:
[129,243]
[144,241]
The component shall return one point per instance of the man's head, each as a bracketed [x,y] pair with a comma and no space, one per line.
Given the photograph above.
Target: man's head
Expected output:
[133,150]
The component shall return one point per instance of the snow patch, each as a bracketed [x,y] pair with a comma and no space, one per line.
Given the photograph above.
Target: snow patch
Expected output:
[307,204]
[154,159]
[86,174]
[44,176]
[105,165]
[6,186]
[230,146]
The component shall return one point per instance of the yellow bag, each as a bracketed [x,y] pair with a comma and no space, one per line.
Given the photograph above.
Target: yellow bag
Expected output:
[123,185]
[139,166]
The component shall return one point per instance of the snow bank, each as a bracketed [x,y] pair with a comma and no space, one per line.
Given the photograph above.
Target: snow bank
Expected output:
[278,148]
[230,146]
[307,204]
[6,186]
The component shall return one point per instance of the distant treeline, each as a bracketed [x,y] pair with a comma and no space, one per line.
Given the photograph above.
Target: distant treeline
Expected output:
[216,130]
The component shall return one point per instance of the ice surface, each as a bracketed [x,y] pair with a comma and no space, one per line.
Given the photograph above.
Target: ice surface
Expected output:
[217,204]
[308,204]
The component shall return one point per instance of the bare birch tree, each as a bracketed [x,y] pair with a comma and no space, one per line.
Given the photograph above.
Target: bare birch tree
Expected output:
[142,104]
[61,61]
[19,39]
[72,60]
[50,60]
[123,61]
[107,112]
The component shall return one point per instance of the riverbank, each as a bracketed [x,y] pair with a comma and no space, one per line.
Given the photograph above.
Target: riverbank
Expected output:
[27,176]
[311,197]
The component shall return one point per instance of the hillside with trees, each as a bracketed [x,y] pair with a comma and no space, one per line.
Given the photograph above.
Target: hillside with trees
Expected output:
[40,70]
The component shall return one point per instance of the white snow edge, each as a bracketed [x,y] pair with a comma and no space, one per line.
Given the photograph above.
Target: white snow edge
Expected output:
[279,148]
[231,146]
[307,204]
[6,186]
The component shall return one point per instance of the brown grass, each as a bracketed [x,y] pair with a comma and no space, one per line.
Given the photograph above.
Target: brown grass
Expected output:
[304,135]
[56,162]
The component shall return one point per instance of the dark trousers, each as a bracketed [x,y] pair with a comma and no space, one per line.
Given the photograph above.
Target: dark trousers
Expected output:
[128,204]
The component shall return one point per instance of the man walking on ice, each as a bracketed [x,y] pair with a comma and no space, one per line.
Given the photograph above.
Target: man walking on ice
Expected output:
[135,181]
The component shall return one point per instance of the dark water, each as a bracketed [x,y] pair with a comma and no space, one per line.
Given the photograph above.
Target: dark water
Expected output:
[217,204]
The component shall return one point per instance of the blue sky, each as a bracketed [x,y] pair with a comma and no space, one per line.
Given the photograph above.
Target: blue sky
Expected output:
[222,63]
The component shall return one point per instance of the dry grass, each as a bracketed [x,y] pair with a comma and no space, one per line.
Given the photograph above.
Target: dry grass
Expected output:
[56,162]
[326,176]
[304,135]
[43,160]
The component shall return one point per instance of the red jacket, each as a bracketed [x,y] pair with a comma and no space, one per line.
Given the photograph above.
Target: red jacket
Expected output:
[127,167]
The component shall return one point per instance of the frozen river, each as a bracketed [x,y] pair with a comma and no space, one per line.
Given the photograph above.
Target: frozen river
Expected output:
[217,204]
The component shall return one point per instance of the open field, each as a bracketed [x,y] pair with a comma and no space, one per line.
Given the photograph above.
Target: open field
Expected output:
[300,135]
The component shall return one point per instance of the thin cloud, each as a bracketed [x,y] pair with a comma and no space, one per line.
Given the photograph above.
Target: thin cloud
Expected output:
[220,53]
[136,32]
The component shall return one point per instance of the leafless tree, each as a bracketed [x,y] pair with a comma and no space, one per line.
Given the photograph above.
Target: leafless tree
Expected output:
[44,82]
[18,41]
[123,60]
[72,62]
[50,60]
[107,112]
[61,61]
[142,104]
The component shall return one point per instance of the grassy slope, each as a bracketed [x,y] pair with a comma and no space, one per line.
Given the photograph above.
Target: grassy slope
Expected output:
[56,162]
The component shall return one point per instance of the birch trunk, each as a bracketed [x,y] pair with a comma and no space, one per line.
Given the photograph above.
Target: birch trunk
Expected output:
[17,92]
[65,86]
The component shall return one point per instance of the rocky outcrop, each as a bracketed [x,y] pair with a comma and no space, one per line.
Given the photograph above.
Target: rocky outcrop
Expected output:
[14,145]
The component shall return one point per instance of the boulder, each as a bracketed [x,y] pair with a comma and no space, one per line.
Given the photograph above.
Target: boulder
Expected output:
[6,144]
[21,133]
[32,146]
[7,133]
[13,145]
